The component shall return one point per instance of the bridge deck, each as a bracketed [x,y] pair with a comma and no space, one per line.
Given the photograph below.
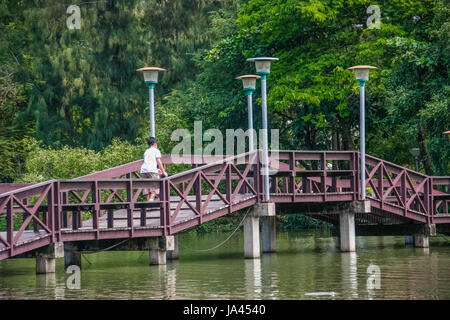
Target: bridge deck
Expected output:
[120,217]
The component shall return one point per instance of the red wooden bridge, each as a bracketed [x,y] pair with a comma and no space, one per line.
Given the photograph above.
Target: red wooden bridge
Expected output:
[110,204]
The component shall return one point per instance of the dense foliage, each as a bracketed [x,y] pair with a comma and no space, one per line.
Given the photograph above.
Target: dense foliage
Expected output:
[65,95]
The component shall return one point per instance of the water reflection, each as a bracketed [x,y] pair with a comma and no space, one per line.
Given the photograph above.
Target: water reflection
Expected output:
[270,276]
[171,283]
[253,279]
[349,274]
[48,283]
[304,263]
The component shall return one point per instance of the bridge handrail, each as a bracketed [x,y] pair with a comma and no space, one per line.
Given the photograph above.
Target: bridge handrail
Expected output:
[415,194]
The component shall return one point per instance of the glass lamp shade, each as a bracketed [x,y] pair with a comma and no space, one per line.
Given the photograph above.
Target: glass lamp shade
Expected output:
[362,72]
[262,64]
[150,74]
[249,82]
[415,152]
[262,67]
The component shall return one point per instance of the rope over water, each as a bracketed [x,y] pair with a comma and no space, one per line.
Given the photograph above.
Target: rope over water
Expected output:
[223,242]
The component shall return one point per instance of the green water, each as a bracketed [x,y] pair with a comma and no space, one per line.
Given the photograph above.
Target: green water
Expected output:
[307,265]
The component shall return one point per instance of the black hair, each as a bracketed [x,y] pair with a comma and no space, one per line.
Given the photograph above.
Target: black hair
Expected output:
[151,141]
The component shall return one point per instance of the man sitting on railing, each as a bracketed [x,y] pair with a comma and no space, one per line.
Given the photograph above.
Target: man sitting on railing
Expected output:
[149,169]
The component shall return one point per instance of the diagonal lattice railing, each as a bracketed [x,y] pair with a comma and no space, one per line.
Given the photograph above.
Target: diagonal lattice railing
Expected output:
[110,204]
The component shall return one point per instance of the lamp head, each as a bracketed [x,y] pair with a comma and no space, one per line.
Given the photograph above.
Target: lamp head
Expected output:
[362,72]
[415,152]
[262,64]
[249,81]
[150,74]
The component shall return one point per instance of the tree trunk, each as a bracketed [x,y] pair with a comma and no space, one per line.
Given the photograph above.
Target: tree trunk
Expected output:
[426,158]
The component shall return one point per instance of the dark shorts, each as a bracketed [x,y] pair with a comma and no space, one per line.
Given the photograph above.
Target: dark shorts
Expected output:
[154,188]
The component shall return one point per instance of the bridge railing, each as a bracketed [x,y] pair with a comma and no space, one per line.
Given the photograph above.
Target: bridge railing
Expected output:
[63,210]
[440,200]
[70,210]
[31,206]
[406,192]
[210,191]
[313,176]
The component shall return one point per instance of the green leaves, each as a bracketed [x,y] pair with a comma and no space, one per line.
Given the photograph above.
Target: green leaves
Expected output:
[66,163]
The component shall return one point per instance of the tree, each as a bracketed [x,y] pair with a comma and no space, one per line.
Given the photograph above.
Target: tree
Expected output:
[419,90]
[13,129]
[85,86]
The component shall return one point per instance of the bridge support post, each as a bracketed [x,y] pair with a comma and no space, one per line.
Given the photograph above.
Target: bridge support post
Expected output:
[173,254]
[158,249]
[251,237]
[252,246]
[422,240]
[46,258]
[72,257]
[269,234]
[347,231]
[347,224]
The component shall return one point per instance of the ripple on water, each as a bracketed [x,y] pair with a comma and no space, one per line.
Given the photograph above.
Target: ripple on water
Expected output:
[304,263]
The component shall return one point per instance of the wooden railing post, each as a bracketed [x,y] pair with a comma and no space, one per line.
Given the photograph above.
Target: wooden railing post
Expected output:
[380,185]
[130,209]
[228,186]
[198,194]
[76,217]
[428,194]
[51,211]
[403,191]
[323,177]
[164,194]
[10,224]
[293,174]
[96,209]
[110,218]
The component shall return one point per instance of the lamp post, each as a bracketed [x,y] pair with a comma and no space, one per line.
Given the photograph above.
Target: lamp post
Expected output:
[249,84]
[151,79]
[262,65]
[415,152]
[362,75]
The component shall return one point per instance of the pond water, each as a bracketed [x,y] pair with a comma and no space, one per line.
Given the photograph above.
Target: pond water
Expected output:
[307,265]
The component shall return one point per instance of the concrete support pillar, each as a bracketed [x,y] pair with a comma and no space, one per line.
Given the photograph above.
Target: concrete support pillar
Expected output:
[251,237]
[72,257]
[347,231]
[421,241]
[45,264]
[347,238]
[173,254]
[252,246]
[158,249]
[269,234]
[46,258]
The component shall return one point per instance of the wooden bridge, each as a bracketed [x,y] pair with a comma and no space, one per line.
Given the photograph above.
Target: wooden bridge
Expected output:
[110,204]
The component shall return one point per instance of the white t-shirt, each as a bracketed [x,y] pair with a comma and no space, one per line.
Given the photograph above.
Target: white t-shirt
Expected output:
[150,164]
